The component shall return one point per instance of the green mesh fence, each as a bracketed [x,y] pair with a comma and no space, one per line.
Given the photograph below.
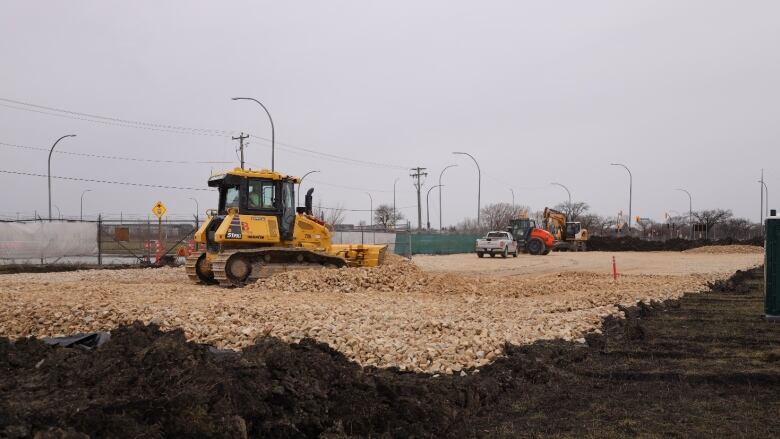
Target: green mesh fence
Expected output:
[433,244]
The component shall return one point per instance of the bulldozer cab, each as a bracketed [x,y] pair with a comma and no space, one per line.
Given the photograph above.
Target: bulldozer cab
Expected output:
[258,193]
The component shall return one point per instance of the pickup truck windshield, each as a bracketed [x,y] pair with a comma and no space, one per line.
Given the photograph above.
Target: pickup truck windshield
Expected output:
[496,235]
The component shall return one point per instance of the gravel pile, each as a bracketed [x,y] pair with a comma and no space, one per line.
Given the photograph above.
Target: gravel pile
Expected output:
[727,249]
[391,316]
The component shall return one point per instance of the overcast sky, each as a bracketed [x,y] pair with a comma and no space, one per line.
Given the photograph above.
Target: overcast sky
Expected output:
[685,93]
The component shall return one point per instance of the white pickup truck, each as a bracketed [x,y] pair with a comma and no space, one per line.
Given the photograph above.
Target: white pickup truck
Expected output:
[497,243]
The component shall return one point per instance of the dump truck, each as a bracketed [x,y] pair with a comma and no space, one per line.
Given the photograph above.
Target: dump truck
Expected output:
[257,230]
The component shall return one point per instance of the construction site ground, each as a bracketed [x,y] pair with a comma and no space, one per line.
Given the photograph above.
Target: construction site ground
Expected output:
[705,260]
[706,365]
[448,320]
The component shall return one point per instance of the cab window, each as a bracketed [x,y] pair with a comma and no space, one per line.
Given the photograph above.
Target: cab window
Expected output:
[261,194]
[231,197]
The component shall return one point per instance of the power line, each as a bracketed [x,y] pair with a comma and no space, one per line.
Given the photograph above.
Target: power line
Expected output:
[111,157]
[299,149]
[127,123]
[122,121]
[124,183]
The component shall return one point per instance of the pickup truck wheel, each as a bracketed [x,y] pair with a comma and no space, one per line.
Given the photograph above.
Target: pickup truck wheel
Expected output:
[492,255]
[536,246]
[514,255]
[480,254]
[505,253]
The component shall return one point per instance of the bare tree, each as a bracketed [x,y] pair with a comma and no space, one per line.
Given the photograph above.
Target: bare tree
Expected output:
[736,228]
[573,211]
[496,216]
[591,222]
[385,216]
[711,218]
[333,216]
[468,225]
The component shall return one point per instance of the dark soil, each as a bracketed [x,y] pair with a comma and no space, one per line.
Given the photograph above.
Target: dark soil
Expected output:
[706,365]
[630,243]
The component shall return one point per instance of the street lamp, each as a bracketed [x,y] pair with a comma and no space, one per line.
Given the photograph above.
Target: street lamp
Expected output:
[763,183]
[197,212]
[479,183]
[273,144]
[395,215]
[567,191]
[440,175]
[630,191]
[81,208]
[690,209]
[513,200]
[298,197]
[428,205]
[372,215]
[49,174]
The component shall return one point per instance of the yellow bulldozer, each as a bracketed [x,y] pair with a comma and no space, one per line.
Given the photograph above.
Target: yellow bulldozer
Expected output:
[257,230]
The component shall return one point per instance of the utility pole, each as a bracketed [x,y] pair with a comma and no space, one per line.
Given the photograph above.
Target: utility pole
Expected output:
[241,139]
[417,174]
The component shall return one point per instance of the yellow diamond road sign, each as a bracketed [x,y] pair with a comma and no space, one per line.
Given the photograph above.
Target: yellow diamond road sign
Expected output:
[159,209]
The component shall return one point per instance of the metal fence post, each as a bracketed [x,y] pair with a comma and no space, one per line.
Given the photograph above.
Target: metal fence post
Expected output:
[410,243]
[100,239]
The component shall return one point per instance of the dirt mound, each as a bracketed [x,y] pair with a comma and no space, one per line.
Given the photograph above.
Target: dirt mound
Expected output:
[630,243]
[703,363]
[727,249]
[396,274]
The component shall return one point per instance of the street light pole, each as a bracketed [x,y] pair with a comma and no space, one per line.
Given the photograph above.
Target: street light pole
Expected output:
[630,191]
[197,213]
[440,175]
[513,199]
[300,182]
[49,165]
[372,215]
[81,208]
[690,209]
[395,215]
[273,140]
[428,205]
[568,192]
[479,184]
[763,183]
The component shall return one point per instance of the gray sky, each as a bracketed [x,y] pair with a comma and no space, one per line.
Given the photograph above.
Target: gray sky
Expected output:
[685,93]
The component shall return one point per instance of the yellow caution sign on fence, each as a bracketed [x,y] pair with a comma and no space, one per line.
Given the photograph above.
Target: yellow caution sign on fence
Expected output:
[159,209]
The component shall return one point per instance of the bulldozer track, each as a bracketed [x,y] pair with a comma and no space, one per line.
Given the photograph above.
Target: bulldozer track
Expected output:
[268,261]
[189,267]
